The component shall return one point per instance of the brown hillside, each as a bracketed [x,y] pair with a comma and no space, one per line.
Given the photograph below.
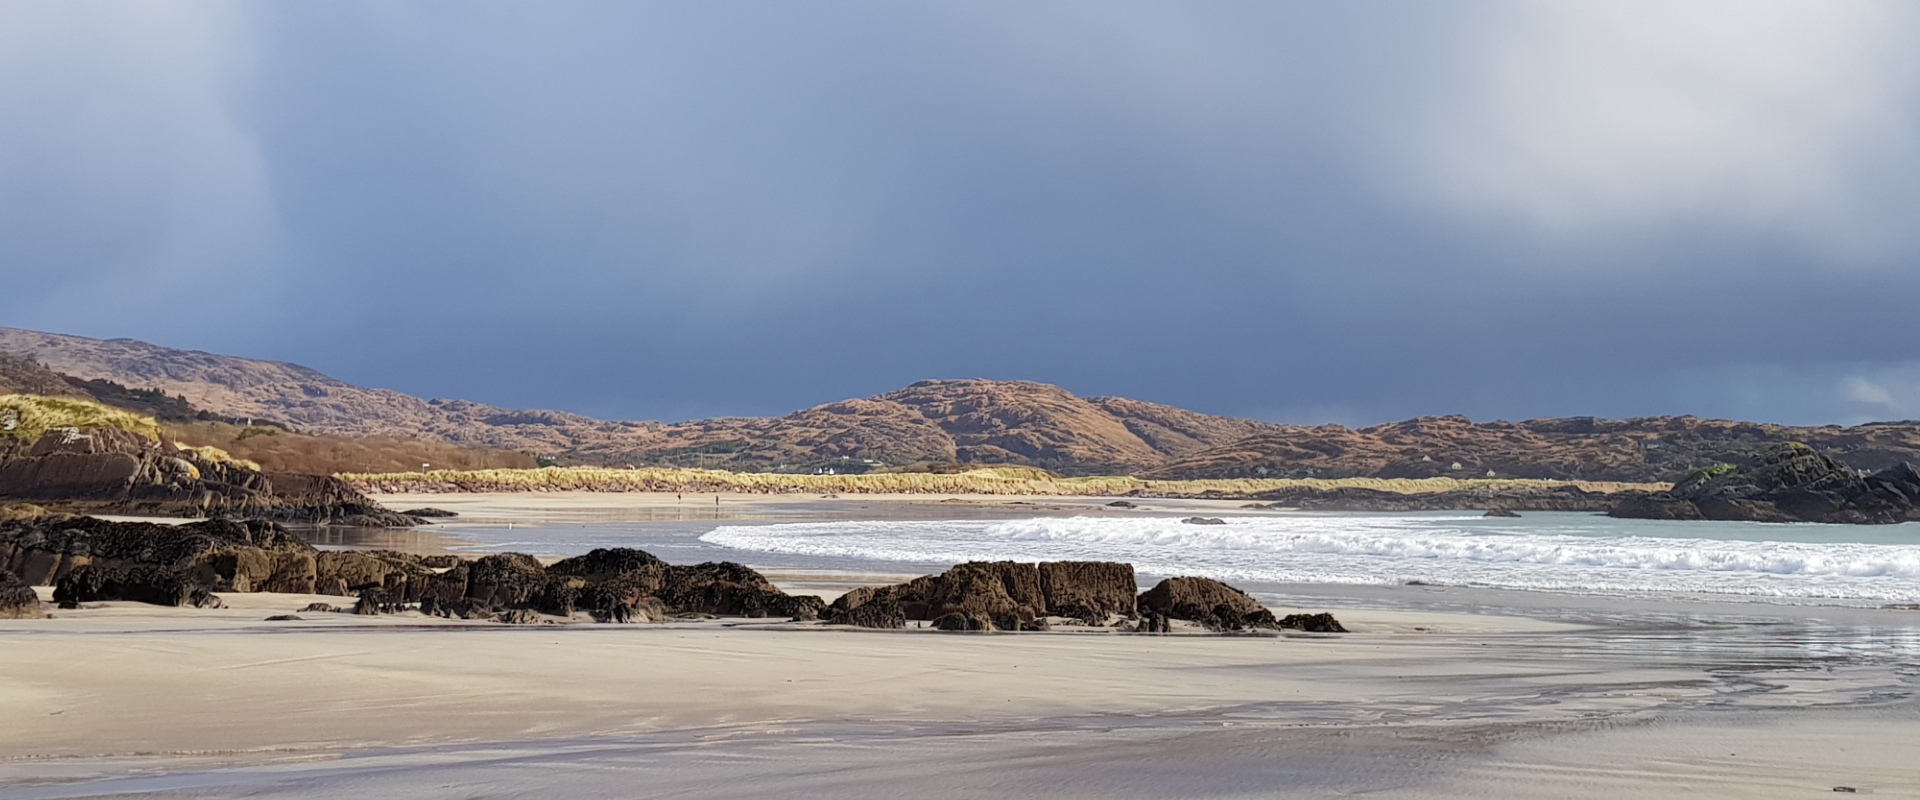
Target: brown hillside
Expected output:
[966,422]
[1646,449]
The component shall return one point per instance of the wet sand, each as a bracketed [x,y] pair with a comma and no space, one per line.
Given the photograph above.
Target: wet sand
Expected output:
[1438,693]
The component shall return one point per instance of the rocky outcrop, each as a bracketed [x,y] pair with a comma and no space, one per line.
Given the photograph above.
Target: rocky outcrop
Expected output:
[17,599]
[345,572]
[993,595]
[1790,482]
[1503,499]
[1209,602]
[217,555]
[109,470]
[158,585]
[1089,590]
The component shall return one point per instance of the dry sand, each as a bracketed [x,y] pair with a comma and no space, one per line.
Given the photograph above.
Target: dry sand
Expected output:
[1422,701]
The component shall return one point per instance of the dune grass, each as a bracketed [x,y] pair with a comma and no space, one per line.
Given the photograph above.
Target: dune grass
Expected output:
[28,417]
[1009,480]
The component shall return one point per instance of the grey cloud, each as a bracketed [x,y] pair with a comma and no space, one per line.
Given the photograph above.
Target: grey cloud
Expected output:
[1291,210]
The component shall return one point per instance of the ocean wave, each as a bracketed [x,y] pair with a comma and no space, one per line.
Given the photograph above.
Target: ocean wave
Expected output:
[1379,549]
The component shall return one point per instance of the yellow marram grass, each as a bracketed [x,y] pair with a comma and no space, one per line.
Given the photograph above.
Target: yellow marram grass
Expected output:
[32,416]
[987,480]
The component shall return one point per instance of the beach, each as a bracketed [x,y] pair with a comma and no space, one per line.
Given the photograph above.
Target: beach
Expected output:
[1437,692]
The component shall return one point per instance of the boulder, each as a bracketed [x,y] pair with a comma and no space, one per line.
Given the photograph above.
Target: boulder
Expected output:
[1121,504]
[606,563]
[284,618]
[1092,590]
[1204,521]
[320,608]
[1209,602]
[17,599]
[1501,512]
[1312,623]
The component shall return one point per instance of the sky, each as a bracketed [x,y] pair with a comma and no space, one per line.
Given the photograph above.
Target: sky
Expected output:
[1294,211]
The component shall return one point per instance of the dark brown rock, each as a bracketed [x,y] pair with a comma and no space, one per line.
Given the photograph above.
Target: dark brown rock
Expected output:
[17,599]
[1312,623]
[1204,521]
[284,618]
[1501,512]
[320,608]
[165,586]
[350,571]
[505,579]
[1208,602]
[1092,590]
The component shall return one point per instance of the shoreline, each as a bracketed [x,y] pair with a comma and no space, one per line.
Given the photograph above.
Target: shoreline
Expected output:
[1438,691]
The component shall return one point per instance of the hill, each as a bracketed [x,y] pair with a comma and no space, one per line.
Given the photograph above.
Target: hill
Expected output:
[933,423]
[1646,449]
[929,426]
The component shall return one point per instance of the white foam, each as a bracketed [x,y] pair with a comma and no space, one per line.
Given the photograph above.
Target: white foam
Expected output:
[1594,556]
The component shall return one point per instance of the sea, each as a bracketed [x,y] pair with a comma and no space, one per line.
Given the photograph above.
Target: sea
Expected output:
[1572,553]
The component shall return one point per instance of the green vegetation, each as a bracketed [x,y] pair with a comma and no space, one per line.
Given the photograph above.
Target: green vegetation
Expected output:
[1006,480]
[28,417]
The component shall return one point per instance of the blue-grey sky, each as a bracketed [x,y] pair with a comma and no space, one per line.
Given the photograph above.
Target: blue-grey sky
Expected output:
[1297,211]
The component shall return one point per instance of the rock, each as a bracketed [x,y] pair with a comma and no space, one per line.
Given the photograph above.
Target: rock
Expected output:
[1121,504]
[284,618]
[165,586]
[353,570]
[320,608]
[377,601]
[519,616]
[218,554]
[1087,589]
[1312,623]
[17,599]
[606,563]
[1153,623]
[1501,512]
[1204,521]
[505,579]
[884,615]
[1209,602]
[441,561]
[431,513]
[1788,482]
[459,608]
[959,621]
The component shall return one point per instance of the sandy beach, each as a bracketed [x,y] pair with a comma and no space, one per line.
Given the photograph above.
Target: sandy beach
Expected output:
[1436,693]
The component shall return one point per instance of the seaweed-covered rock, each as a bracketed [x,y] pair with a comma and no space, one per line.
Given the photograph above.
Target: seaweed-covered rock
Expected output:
[505,579]
[606,563]
[163,586]
[217,554]
[350,571]
[17,599]
[1206,601]
[1088,589]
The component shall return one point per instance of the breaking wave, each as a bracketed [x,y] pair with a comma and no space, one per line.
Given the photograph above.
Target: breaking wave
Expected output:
[1591,556]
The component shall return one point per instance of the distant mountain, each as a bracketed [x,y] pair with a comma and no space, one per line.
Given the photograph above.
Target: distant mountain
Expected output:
[937,424]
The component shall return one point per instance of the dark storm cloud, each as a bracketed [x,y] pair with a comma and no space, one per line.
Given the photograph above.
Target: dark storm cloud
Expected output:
[1287,210]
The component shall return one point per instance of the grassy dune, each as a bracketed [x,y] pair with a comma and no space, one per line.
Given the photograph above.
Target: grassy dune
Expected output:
[31,416]
[989,480]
